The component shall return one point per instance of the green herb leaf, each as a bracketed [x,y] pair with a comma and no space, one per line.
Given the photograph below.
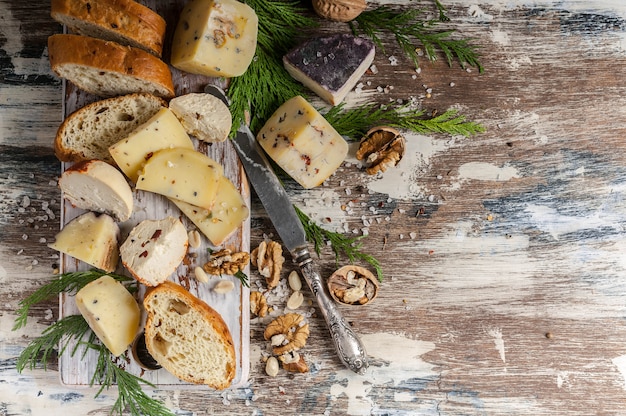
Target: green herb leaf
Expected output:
[243,278]
[355,122]
[62,283]
[340,244]
[131,396]
[408,29]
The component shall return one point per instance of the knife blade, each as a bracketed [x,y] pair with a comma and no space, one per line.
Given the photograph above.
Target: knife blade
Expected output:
[283,215]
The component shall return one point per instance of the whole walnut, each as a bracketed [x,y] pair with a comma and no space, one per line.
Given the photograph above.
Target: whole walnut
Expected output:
[339,10]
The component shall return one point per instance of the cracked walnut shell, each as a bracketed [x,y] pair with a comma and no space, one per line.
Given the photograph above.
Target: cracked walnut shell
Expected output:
[353,285]
[226,262]
[339,10]
[291,326]
[268,258]
[381,148]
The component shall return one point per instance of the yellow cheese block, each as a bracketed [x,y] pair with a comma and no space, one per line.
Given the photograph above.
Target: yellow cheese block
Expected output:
[92,239]
[161,131]
[300,140]
[183,174]
[215,38]
[228,213]
[111,312]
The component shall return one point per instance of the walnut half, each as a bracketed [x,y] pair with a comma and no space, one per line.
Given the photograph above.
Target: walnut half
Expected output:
[226,262]
[292,331]
[381,148]
[268,258]
[353,285]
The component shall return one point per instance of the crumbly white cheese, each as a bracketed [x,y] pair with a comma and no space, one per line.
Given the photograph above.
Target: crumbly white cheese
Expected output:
[300,140]
[111,312]
[215,38]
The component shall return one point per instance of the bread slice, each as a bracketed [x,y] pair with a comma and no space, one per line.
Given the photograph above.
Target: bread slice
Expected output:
[106,68]
[154,249]
[203,116]
[188,338]
[88,132]
[94,185]
[123,21]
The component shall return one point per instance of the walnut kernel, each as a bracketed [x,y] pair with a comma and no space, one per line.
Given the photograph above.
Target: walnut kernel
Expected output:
[258,304]
[381,148]
[226,262]
[294,362]
[290,325]
[353,285]
[268,258]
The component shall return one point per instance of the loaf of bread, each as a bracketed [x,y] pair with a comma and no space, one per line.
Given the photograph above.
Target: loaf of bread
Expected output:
[188,338]
[203,116]
[106,68]
[94,185]
[123,21]
[154,249]
[88,132]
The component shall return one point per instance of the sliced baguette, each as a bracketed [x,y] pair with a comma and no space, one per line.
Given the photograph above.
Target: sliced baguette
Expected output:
[88,132]
[106,68]
[123,21]
[203,116]
[154,249]
[188,338]
[94,185]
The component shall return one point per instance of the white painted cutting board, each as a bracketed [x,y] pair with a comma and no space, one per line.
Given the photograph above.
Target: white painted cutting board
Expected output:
[77,370]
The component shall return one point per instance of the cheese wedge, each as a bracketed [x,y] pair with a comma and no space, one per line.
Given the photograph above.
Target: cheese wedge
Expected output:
[228,213]
[161,131]
[300,140]
[92,239]
[111,312]
[215,38]
[183,174]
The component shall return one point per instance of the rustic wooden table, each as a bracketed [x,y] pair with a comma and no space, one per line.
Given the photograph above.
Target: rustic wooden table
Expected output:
[505,281]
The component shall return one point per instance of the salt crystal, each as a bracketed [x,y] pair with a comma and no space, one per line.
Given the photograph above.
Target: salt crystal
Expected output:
[348,191]
[418,70]
[393,60]
[401,236]
[374,69]
[25,201]
[452,84]
[24,237]
[413,235]
[431,198]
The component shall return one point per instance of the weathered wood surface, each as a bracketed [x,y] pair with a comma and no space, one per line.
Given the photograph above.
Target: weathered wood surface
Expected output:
[504,290]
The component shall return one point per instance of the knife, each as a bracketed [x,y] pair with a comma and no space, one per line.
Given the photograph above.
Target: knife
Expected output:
[287,223]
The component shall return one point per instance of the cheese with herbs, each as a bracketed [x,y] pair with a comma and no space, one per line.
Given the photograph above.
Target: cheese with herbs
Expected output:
[228,213]
[215,38]
[183,174]
[111,312]
[163,130]
[90,238]
[300,140]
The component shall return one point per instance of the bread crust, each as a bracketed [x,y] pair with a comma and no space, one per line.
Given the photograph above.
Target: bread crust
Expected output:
[106,56]
[140,25]
[65,153]
[172,290]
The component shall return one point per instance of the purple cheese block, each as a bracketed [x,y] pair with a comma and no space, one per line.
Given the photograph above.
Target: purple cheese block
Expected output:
[330,65]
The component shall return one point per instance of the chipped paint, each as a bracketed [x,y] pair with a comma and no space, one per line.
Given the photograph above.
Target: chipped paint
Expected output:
[496,334]
[396,360]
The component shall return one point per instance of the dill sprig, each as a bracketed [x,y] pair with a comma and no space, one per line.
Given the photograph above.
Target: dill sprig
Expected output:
[130,393]
[408,28]
[266,84]
[340,244]
[62,283]
[355,122]
[57,335]
[243,278]
[442,12]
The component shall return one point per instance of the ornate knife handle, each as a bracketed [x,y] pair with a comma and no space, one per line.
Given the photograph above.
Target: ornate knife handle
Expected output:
[347,343]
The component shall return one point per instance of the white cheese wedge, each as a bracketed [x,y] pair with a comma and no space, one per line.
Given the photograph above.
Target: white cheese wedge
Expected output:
[215,38]
[111,312]
[161,131]
[183,174]
[154,249]
[94,185]
[300,140]
[92,239]
[228,213]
